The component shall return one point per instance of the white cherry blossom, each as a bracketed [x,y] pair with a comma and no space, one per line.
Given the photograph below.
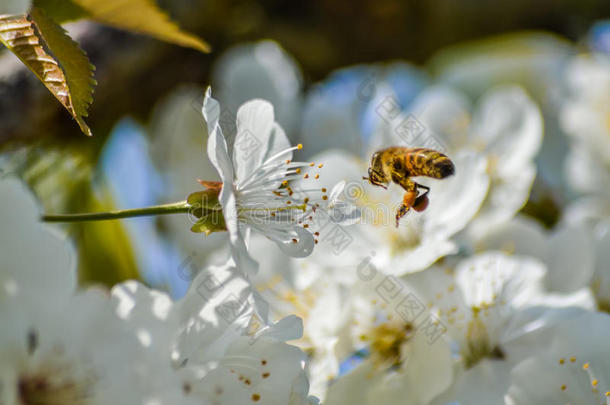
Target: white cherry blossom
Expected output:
[222,352]
[575,252]
[257,193]
[58,344]
[497,312]
[421,238]
[398,345]
[504,128]
[572,370]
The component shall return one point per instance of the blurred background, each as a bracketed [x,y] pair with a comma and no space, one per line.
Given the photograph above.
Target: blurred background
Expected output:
[319,62]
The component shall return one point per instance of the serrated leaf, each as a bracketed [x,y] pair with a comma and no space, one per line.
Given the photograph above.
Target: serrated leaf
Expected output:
[61,10]
[45,48]
[141,16]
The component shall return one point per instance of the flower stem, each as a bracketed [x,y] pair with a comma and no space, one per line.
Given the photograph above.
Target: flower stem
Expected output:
[172,208]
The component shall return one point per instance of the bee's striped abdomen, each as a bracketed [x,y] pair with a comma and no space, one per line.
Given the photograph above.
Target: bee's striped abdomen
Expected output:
[428,162]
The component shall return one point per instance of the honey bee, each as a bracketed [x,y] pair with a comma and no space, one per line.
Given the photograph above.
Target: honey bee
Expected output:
[399,164]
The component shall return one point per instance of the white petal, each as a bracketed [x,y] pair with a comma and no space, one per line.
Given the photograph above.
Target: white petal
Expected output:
[218,154]
[288,328]
[258,138]
[342,213]
[571,259]
[455,200]
[483,276]
[509,125]
[506,196]
[602,258]
[539,379]
[336,191]
[521,236]
[215,310]
[302,247]
[429,369]
[263,70]
[585,171]
[217,145]
[35,256]
[417,259]
[352,388]
[485,383]
[589,210]
[445,114]
[282,361]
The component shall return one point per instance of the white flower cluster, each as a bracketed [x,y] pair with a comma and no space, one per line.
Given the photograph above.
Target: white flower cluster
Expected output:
[132,345]
[467,302]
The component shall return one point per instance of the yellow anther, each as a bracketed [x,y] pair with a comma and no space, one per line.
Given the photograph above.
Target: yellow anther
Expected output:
[300,146]
[585,366]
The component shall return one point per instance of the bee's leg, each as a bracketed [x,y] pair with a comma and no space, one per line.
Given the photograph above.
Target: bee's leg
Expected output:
[422,186]
[407,202]
[375,183]
[409,197]
[421,202]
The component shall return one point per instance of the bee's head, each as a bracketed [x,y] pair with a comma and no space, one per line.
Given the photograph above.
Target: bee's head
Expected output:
[377,176]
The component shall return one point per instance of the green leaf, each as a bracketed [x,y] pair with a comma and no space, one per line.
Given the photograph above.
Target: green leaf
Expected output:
[45,48]
[61,10]
[105,250]
[211,221]
[141,16]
